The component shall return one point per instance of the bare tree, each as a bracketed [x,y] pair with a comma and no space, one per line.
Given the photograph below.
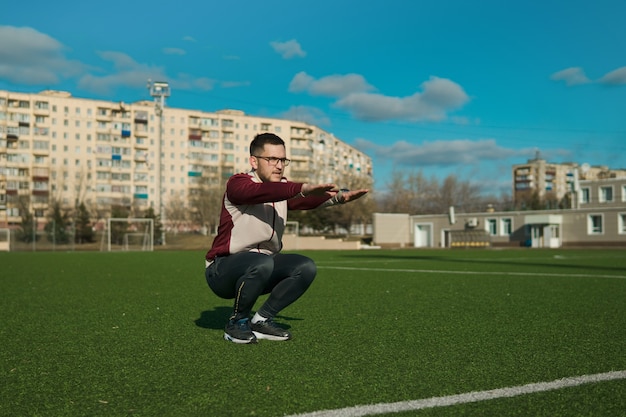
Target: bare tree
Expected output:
[177,212]
[206,204]
[414,193]
[397,197]
[359,211]
[83,185]
[411,193]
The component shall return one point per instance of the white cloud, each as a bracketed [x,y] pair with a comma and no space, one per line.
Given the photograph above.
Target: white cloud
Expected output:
[571,76]
[289,49]
[128,73]
[441,153]
[174,51]
[188,82]
[438,97]
[615,77]
[34,58]
[189,39]
[307,114]
[234,84]
[576,76]
[330,86]
[30,57]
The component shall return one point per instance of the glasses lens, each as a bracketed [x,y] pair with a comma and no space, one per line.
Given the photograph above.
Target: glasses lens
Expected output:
[272,160]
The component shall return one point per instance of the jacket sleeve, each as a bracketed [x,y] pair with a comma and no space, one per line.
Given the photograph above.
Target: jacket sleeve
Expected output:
[306,203]
[242,189]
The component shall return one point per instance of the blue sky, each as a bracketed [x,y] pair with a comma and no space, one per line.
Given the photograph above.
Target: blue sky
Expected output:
[453,86]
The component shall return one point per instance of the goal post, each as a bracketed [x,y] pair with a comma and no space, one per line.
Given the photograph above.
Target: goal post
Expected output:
[5,240]
[128,235]
[292,228]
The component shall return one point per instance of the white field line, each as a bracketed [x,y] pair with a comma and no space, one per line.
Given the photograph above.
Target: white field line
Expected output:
[469,397]
[438,271]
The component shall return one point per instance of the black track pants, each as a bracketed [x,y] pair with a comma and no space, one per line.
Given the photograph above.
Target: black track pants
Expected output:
[246,276]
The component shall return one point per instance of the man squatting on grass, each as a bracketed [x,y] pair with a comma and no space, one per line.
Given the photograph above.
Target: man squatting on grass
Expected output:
[244,261]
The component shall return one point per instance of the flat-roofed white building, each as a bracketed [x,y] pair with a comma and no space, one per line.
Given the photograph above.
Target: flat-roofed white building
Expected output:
[599,220]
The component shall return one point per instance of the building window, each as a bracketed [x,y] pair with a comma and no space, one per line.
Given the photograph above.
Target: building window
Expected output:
[624,192]
[606,194]
[594,224]
[491,226]
[584,195]
[621,221]
[506,226]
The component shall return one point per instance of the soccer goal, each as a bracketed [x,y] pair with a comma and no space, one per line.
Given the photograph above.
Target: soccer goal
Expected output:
[129,235]
[5,240]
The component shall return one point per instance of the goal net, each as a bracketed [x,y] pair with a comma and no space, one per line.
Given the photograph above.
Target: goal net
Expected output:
[129,235]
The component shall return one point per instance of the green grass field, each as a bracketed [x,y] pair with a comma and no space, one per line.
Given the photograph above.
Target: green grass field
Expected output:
[140,334]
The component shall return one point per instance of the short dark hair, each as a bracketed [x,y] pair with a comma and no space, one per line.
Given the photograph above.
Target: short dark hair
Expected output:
[258,143]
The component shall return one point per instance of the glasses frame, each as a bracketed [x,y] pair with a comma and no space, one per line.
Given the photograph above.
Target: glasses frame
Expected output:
[273,161]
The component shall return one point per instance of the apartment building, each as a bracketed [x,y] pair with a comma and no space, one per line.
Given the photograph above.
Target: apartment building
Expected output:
[55,147]
[554,181]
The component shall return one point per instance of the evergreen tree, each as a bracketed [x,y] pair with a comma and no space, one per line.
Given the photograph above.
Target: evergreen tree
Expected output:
[158,227]
[58,225]
[84,230]
[25,232]
[118,229]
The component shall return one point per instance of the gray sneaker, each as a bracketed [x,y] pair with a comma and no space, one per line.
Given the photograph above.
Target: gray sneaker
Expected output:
[269,330]
[238,331]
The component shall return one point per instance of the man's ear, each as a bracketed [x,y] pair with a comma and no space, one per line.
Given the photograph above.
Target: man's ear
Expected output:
[254,163]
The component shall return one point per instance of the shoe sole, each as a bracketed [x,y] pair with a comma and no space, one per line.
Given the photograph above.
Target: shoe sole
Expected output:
[270,336]
[238,341]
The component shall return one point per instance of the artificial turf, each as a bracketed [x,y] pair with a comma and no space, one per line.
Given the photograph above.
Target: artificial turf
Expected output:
[116,334]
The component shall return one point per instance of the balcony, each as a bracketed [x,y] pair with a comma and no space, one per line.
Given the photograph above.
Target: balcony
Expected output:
[103,114]
[40,111]
[141,117]
[141,157]
[41,174]
[141,131]
[195,134]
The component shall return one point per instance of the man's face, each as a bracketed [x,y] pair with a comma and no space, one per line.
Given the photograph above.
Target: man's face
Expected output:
[266,170]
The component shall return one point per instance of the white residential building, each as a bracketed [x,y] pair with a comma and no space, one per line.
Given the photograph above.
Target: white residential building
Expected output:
[55,147]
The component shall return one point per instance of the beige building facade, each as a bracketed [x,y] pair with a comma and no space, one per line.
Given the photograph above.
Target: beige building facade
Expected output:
[55,147]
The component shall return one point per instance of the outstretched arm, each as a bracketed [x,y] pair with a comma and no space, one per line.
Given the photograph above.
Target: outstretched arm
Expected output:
[323,195]
[344,196]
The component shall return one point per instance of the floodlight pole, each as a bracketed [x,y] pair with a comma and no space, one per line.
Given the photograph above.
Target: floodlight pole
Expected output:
[159,90]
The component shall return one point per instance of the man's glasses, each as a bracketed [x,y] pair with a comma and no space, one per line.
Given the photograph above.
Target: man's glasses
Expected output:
[273,161]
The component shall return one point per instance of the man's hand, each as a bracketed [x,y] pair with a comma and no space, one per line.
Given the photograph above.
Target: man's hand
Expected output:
[352,195]
[317,189]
